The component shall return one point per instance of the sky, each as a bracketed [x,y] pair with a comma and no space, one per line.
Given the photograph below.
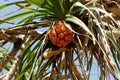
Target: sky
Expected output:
[94,70]
[6,11]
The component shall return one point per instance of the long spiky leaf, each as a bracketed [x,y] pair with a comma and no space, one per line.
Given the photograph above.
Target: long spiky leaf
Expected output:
[77,21]
[10,4]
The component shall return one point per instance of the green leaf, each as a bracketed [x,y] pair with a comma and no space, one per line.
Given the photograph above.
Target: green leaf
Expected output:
[27,59]
[18,16]
[26,68]
[26,20]
[55,7]
[9,4]
[3,50]
[36,2]
[77,21]
[114,42]
[66,5]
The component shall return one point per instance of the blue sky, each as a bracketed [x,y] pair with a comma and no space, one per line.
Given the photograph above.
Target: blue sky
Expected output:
[6,11]
[94,70]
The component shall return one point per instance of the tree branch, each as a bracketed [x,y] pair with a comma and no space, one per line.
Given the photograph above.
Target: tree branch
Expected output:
[49,52]
[11,54]
[76,72]
[7,37]
[31,26]
[12,70]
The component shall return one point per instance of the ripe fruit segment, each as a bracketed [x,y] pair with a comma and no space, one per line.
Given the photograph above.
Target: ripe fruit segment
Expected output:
[60,35]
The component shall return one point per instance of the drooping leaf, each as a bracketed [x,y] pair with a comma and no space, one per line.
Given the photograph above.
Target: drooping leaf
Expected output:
[77,21]
[117,47]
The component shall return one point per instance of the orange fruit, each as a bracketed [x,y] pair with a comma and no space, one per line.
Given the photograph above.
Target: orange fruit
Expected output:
[60,35]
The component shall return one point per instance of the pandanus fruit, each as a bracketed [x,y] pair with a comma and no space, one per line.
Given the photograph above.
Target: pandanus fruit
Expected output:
[61,34]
